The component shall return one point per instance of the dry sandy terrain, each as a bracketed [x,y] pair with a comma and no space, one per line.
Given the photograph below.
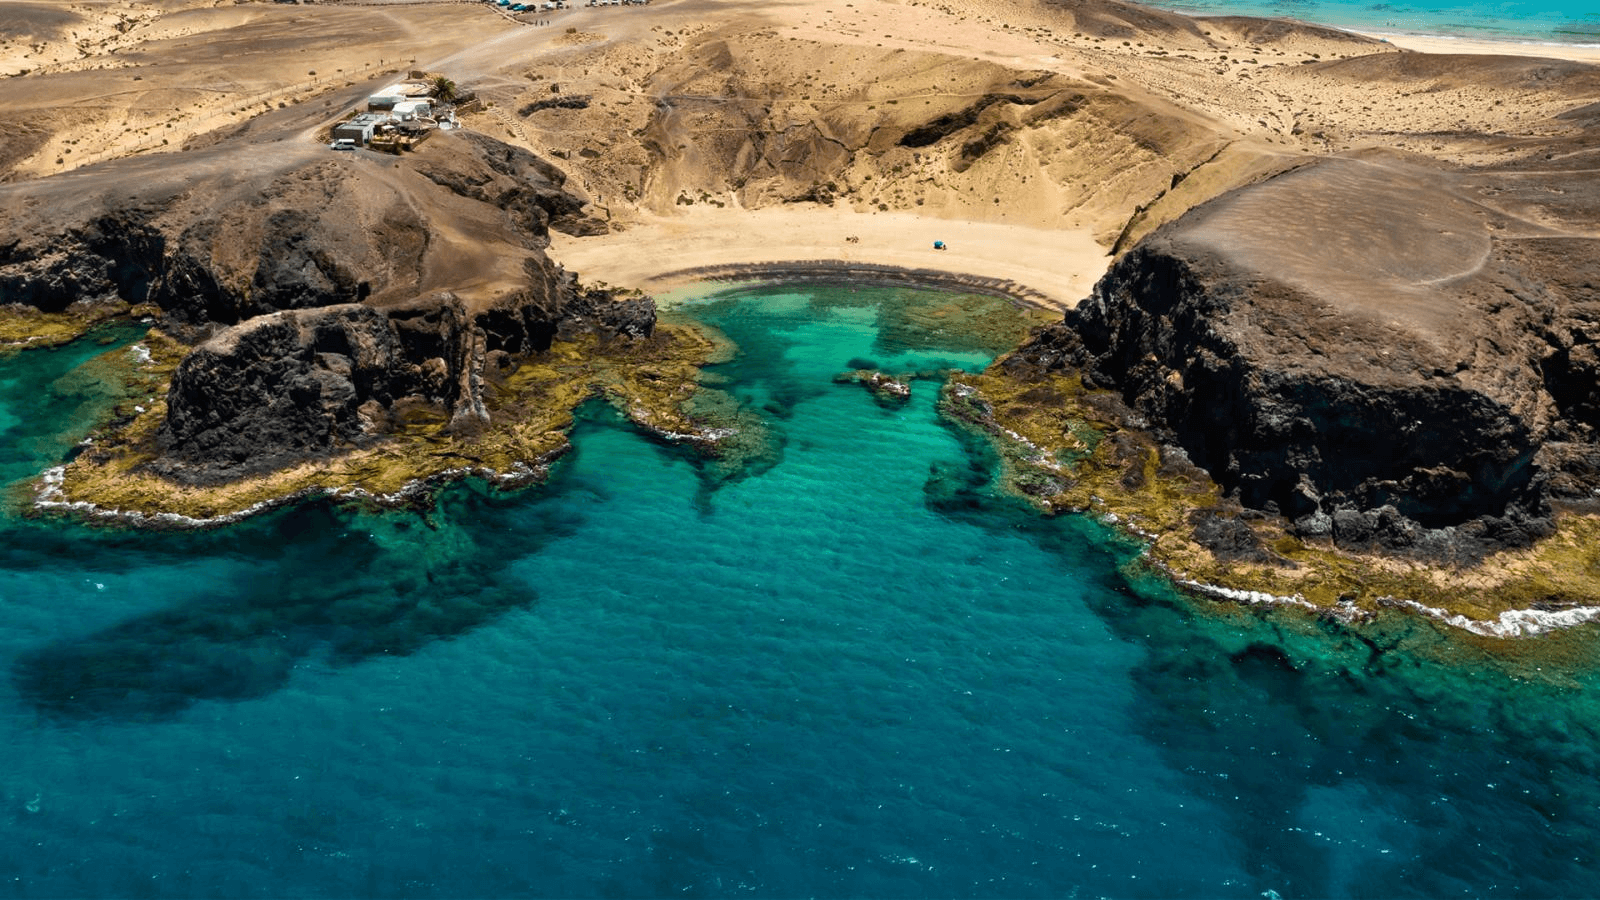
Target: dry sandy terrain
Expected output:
[1035,136]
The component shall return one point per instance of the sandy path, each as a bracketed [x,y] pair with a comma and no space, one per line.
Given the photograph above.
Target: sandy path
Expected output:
[653,255]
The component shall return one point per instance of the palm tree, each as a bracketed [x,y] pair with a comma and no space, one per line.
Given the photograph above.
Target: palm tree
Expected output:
[444,88]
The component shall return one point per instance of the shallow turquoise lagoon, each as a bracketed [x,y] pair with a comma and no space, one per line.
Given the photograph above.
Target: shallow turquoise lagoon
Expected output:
[847,668]
[1555,21]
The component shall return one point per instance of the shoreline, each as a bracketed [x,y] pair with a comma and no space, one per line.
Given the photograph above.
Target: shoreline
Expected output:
[1530,622]
[659,254]
[50,497]
[841,272]
[1449,44]
[1423,41]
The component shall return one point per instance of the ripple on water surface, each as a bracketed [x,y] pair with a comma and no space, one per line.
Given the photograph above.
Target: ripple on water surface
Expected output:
[855,670]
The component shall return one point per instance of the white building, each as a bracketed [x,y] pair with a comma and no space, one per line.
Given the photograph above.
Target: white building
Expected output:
[406,110]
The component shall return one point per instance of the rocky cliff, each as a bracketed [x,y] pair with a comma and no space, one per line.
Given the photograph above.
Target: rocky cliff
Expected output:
[329,295]
[281,388]
[1382,352]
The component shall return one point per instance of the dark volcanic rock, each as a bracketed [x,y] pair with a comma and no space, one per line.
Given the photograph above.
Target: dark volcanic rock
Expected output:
[533,193]
[1399,357]
[335,292]
[1228,537]
[888,391]
[287,386]
[112,256]
[600,312]
[293,385]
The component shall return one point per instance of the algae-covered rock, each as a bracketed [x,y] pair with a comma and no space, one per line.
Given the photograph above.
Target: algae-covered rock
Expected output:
[890,392]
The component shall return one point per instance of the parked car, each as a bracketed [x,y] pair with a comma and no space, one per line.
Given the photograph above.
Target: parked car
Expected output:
[343,144]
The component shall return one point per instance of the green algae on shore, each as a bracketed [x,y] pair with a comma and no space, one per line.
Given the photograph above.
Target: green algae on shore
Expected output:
[649,380]
[24,326]
[1067,448]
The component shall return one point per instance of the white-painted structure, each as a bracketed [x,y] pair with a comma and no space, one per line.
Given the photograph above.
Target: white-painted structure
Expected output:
[406,110]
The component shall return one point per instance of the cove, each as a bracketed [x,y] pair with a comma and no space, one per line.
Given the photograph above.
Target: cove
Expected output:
[840,662]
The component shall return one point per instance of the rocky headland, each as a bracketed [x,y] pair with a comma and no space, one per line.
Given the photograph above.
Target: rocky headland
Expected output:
[313,310]
[1410,391]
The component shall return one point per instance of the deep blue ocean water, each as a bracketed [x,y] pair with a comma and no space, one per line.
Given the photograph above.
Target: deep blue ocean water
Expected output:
[850,668]
[1537,21]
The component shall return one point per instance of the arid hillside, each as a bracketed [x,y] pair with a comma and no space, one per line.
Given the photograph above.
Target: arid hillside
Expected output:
[1100,116]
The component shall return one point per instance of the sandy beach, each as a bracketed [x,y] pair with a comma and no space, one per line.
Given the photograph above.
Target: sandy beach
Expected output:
[1586,53]
[662,252]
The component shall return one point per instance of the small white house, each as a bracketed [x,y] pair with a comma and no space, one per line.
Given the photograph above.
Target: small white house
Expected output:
[406,110]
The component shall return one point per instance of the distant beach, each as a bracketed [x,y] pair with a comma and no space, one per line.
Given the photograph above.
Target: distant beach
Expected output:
[1563,26]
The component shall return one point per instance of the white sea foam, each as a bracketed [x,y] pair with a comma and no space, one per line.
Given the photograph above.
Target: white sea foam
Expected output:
[1511,623]
[50,496]
[1257,598]
[1386,33]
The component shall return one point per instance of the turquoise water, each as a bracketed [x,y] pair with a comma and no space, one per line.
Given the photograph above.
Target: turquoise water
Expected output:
[854,671]
[1558,21]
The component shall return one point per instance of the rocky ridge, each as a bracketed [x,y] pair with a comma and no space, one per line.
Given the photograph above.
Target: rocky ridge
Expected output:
[1420,382]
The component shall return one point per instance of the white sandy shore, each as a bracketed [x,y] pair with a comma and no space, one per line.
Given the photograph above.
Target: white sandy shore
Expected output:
[1586,53]
[1061,265]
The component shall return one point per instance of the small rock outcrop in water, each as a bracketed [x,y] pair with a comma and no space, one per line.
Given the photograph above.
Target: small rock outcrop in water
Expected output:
[1423,384]
[888,391]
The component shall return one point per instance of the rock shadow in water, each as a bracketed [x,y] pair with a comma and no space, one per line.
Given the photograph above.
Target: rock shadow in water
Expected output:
[1346,763]
[397,582]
